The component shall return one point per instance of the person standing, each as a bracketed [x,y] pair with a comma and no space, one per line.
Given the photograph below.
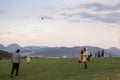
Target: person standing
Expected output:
[89,55]
[28,60]
[102,53]
[15,60]
[81,53]
[85,55]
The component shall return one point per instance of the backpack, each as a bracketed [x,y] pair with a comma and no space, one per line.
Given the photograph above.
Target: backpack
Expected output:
[89,53]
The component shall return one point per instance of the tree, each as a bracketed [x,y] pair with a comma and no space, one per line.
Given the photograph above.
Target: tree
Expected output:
[4,55]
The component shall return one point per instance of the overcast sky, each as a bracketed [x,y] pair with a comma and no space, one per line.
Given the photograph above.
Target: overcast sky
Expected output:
[65,22]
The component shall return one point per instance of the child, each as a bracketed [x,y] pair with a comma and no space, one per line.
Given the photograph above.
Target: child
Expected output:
[28,60]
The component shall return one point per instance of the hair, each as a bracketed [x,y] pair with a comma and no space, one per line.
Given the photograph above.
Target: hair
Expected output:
[18,50]
[84,49]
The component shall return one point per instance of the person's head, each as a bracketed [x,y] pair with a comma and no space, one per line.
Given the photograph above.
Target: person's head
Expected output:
[86,49]
[18,50]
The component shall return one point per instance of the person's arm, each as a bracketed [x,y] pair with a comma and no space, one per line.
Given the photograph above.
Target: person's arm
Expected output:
[19,58]
[12,58]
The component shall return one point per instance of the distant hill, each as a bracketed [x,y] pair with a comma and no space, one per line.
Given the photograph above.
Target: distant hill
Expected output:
[115,52]
[13,47]
[64,51]
[45,51]
[4,54]
[3,47]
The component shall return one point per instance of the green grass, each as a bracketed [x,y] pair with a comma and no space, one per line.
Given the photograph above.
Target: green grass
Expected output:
[64,69]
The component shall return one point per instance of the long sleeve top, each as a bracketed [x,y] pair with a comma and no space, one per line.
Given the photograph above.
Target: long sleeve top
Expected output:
[16,58]
[85,55]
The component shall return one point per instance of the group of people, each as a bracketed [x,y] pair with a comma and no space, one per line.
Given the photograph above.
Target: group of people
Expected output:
[99,54]
[85,56]
[16,61]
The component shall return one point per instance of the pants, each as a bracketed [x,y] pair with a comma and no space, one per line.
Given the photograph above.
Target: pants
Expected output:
[15,66]
[85,65]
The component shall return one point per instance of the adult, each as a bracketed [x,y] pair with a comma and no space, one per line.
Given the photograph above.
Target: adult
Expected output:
[15,60]
[81,53]
[85,55]
[102,53]
[89,55]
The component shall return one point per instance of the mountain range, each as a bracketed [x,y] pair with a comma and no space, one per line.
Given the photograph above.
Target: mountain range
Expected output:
[45,51]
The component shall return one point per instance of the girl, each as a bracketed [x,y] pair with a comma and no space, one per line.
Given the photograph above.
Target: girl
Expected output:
[28,60]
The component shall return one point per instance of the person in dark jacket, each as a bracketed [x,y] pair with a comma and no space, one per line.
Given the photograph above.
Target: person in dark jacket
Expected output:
[81,53]
[15,60]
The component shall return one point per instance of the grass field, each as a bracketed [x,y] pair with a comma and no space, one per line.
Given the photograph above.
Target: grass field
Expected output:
[64,69]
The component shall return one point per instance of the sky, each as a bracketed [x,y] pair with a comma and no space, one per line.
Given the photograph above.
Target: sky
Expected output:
[65,23]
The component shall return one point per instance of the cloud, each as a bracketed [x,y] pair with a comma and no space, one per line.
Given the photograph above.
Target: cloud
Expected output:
[46,17]
[96,7]
[106,18]
[105,13]
[101,7]
[35,15]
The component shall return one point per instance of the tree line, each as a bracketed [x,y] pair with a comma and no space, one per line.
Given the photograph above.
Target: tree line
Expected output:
[4,55]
